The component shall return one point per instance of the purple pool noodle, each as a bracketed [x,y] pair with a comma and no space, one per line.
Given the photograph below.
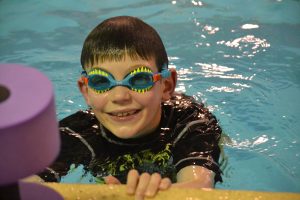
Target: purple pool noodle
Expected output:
[29,139]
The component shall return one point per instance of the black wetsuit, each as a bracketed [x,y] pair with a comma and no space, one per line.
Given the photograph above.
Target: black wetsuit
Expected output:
[188,134]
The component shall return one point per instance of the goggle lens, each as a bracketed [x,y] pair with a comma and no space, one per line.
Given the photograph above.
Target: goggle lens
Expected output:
[99,82]
[141,80]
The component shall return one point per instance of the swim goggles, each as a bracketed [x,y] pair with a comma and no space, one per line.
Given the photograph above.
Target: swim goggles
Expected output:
[139,80]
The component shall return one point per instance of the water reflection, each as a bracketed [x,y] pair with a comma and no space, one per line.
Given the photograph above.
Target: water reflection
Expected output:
[248,45]
[249,26]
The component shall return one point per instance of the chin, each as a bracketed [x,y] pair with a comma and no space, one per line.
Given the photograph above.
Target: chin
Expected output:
[125,134]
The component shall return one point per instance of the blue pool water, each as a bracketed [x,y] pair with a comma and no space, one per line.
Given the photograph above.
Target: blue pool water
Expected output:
[242,58]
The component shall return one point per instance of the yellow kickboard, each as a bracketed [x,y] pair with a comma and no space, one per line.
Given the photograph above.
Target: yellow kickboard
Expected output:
[118,192]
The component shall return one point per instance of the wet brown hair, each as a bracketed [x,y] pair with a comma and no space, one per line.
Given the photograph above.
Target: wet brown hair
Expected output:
[115,37]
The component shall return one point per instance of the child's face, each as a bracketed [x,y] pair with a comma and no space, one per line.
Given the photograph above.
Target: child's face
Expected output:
[126,113]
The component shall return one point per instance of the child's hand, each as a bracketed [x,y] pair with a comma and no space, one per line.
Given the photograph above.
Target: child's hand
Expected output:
[145,184]
[111,180]
[142,185]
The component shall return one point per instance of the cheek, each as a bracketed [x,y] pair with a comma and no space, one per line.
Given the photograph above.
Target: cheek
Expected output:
[151,98]
[96,101]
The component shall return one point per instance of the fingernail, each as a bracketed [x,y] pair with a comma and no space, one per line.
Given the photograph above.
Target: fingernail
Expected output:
[149,194]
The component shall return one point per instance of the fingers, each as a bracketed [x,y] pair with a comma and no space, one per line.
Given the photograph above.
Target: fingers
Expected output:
[111,180]
[142,186]
[146,184]
[153,185]
[165,183]
[132,181]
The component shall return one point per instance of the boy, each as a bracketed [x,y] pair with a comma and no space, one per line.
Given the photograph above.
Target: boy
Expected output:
[137,130]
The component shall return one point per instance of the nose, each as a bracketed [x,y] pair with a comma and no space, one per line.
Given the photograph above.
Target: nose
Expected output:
[120,95]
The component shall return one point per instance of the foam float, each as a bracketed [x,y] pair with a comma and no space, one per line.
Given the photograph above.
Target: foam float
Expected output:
[29,136]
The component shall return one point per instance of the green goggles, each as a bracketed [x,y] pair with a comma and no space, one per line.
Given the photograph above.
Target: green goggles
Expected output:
[139,80]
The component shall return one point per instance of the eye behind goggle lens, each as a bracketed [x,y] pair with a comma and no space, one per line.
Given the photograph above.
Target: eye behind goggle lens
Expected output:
[99,82]
[141,80]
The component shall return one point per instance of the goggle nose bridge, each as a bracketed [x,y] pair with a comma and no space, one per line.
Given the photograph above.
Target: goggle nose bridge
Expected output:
[121,83]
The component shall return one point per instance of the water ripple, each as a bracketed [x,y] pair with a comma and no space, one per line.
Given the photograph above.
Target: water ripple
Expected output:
[248,45]
[214,70]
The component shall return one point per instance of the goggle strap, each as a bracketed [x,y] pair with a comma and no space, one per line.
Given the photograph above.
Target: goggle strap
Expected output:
[156,77]
[85,80]
[165,73]
[83,73]
[84,77]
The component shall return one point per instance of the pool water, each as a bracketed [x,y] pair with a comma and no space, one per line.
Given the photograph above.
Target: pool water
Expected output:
[242,58]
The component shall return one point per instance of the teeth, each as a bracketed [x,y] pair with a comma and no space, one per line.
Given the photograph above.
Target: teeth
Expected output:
[124,114]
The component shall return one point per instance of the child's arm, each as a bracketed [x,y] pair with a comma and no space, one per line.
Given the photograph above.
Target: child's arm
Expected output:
[194,176]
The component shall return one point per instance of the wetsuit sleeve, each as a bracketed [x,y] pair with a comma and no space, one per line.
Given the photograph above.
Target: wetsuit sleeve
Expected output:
[72,150]
[197,142]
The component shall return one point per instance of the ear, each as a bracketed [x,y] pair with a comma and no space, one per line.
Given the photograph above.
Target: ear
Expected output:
[169,85]
[83,89]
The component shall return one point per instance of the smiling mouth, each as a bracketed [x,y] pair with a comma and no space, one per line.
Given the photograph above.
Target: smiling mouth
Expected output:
[124,114]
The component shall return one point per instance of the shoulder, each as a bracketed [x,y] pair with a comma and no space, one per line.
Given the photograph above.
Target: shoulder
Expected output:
[180,99]
[184,103]
[184,109]
[189,119]
[79,131]
[79,121]
[78,135]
